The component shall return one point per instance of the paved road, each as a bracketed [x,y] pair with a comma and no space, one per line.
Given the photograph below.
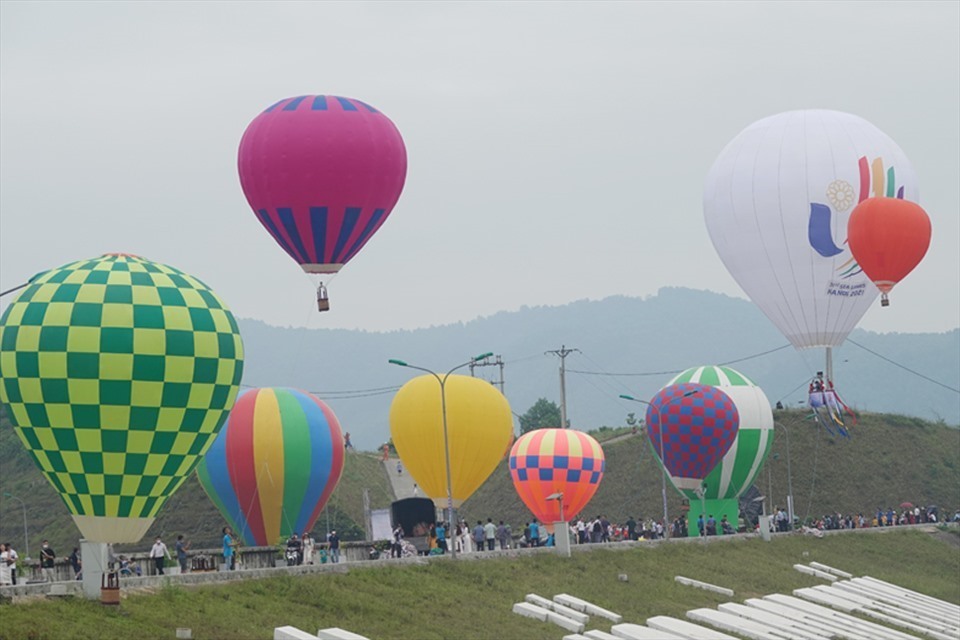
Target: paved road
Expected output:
[402,483]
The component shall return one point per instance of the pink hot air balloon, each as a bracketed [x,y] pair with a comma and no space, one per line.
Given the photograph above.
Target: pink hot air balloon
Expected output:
[700,424]
[322,173]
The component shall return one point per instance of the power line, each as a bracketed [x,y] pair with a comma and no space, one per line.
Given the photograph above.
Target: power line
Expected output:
[916,373]
[663,373]
[344,395]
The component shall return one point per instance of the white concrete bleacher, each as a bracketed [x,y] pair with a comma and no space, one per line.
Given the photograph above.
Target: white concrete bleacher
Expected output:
[810,571]
[690,582]
[905,598]
[596,634]
[840,619]
[794,628]
[751,629]
[885,612]
[578,604]
[292,633]
[556,607]
[542,614]
[686,630]
[332,633]
[809,620]
[628,631]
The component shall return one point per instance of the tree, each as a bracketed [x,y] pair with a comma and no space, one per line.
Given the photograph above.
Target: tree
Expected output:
[542,415]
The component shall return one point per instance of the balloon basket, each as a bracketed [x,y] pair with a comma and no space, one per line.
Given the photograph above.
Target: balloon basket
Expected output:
[884,301]
[110,588]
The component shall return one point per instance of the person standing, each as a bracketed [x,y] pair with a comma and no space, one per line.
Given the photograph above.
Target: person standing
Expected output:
[502,535]
[334,541]
[47,556]
[478,535]
[76,563]
[159,553]
[631,528]
[534,533]
[396,550]
[490,534]
[4,566]
[441,532]
[308,546]
[181,549]
[229,557]
[14,556]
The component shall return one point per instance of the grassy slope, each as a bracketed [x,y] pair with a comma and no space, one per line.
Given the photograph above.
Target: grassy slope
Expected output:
[888,460]
[472,599]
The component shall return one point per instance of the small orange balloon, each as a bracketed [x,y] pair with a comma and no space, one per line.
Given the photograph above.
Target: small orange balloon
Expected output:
[888,237]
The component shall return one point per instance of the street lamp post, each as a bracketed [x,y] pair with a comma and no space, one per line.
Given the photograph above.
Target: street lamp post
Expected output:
[26,539]
[789,475]
[663,466]
[446,439]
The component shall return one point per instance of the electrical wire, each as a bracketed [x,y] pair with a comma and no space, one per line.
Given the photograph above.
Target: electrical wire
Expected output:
[663,373]
[897,364]
[345,395]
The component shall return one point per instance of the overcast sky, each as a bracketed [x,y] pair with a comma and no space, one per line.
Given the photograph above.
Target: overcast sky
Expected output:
[557,151]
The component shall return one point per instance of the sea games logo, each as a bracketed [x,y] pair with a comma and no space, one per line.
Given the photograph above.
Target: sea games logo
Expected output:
[840,194]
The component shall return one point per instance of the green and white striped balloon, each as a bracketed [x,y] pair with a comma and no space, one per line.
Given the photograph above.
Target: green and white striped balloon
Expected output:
[740,465]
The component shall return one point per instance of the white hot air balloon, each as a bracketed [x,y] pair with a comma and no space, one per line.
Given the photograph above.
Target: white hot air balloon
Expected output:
[776,204]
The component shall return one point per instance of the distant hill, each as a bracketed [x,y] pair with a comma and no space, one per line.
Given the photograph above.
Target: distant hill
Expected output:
[676,329]
[890,459]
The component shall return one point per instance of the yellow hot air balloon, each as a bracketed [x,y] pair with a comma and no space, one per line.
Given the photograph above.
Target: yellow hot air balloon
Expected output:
[479,427]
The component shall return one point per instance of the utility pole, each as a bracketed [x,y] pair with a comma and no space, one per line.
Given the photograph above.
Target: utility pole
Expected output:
[486,363]
[562,353]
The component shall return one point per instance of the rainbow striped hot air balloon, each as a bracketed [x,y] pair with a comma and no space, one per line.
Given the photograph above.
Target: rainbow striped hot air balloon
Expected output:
[549,461]
[274,465]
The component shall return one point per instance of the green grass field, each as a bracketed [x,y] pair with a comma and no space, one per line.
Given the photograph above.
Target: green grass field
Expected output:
[472,599]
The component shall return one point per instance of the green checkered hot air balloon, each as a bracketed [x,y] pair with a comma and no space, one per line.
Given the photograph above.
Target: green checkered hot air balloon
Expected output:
[117,374]
[740,466]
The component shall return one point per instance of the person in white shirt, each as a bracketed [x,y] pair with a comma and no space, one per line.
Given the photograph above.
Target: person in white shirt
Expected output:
[5,578]
[14,556]
[159,553]
[308,546]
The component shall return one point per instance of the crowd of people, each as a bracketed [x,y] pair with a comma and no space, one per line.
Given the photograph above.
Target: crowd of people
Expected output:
[305,550]
[437,538]
[906,514]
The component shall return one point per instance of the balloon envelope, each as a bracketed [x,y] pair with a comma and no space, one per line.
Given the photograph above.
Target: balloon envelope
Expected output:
[549,461]
[888,237]
[117,374]
[322,173]
[699,427]
[740,465]
[274,465]
[776,204]
[479,427]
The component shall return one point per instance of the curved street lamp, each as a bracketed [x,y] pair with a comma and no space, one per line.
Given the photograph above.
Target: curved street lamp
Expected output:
[789,474]
[443,413]
[26,539]
[663,466]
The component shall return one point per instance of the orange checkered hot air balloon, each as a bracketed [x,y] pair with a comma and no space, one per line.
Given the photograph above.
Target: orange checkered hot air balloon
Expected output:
[550,461]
